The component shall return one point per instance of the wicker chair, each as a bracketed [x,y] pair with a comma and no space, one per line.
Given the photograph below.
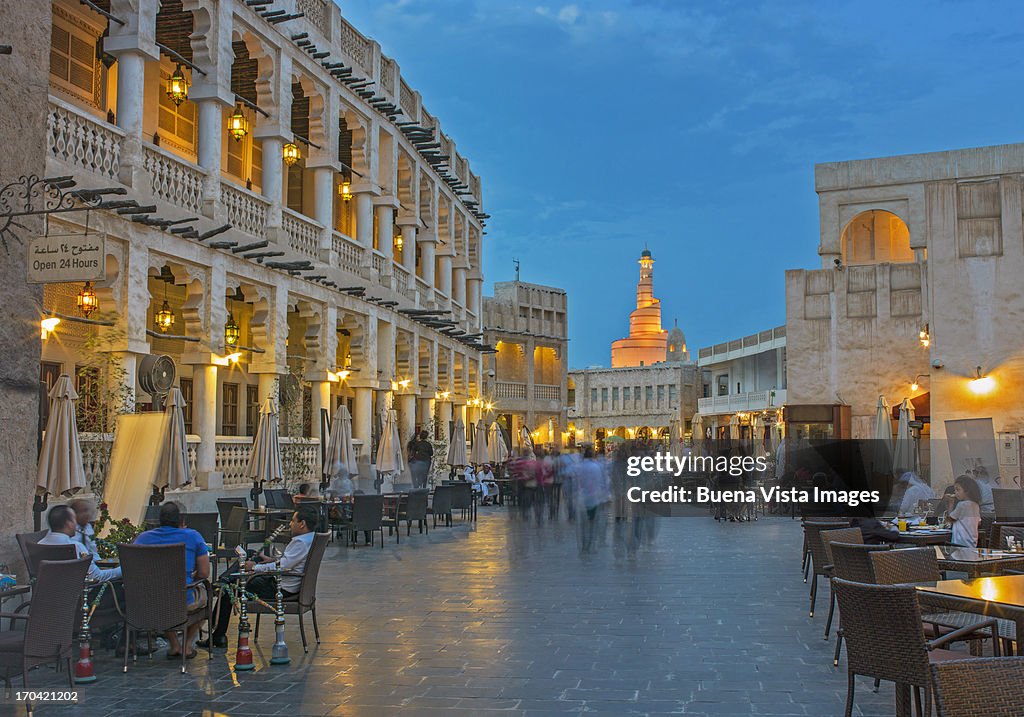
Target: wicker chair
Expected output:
[839,535]
[999,531]
[305,600]
[367,516]
[205,524]
[852,562]
[805,551]
[986,687]
[38,553]
[155,593]
[415,510]
[392,518]
[50,622]
[1009,504]
[820,566]
[441,504]
[885,639]
[920,565]
[462,499]
[25,540]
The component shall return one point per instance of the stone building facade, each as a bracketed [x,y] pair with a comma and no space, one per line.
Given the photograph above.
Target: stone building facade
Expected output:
[23,81]
[918,296]
[525,380]
[310,231]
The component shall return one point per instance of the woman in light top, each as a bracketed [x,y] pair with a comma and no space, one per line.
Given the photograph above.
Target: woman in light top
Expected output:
[966,516]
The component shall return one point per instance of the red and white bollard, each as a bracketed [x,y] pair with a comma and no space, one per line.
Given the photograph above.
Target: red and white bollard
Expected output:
[83,668]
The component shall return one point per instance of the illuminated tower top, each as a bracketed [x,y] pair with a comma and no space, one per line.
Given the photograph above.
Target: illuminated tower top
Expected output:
[646,343]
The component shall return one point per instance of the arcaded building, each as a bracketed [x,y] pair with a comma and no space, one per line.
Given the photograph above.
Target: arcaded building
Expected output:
[291,221]
[918,297]
[525,379]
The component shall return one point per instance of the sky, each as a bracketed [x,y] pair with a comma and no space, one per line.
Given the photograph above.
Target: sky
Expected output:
[693,128]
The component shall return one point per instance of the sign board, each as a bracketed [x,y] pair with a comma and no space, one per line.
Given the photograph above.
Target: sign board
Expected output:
[57,259]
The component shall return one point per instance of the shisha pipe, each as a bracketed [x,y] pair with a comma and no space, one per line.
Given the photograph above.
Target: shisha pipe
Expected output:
[83,668]
[243,655]
[279,653]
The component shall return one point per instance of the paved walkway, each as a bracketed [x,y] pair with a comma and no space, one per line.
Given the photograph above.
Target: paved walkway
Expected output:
[507,619]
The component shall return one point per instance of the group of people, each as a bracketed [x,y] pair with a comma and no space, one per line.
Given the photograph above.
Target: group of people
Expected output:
[72,524]
[962,504]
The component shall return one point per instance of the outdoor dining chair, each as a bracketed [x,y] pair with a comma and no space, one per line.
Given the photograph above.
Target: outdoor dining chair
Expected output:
[415,510]
[205,524]
[921,565]
[367,516]
[24,540]
[50,621]
[441,505]
[885,639]
[156,595]
[983,687]
[462,499]
[224,506]
[819,566]
[805,550]
[305,600]
[851,561]
[839,535]
[390,519]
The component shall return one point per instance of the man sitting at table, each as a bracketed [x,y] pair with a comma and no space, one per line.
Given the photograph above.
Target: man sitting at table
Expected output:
[303,523]
[63,529]
[172,531]
[85,516]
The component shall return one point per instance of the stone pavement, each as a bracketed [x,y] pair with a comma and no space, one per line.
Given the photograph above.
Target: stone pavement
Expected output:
[508,619]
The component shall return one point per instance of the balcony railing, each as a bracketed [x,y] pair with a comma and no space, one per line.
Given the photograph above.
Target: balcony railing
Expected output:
[299,456]
[247,211]
[752,401]
[508,389]
[543,392]
[81,140]
[348,251]
[303,234]
[173,179]
[355,45]
[96,449]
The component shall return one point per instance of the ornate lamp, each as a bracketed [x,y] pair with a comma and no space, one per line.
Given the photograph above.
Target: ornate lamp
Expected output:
[87,300]
[231,331]
[399,240]
[177,87]
[345,190]
[164,318]
[290,154]
[238,125]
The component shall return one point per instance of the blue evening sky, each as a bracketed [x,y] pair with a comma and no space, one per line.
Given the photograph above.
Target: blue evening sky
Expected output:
[599,126]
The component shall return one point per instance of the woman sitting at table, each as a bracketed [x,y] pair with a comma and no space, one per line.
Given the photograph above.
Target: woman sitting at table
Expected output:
[966,516]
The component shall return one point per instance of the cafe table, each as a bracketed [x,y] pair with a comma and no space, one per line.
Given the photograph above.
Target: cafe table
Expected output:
[977,562]
[1001,596]
[926,535]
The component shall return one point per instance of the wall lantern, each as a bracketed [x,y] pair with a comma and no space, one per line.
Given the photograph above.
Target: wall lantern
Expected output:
[177,87]
[981,384]
[164,318]
[238,125]
[345,190]
[231,331]
[48,326]
[399,240]
[290,154]
[925,337]
[87,300]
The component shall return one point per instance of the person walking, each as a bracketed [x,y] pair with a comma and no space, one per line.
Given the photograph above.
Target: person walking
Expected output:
[421,455]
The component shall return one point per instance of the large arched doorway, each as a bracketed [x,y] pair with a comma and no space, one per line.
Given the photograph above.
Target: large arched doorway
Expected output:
[876,237]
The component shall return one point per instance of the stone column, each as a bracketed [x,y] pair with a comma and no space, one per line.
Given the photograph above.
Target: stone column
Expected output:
[529,349]
[425,411]
[204,423]
[131,83]
[445,415]
[409,247]
[273,179]
[385,232]
[362,417]
[444,282]
[267,387]
[210,127]
[458,292]
[406,416]
[428,252]
[364,220]
[129,365]
[321,394]
[323,205]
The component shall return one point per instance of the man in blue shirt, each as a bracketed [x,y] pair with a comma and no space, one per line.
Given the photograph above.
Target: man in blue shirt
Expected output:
[172,531]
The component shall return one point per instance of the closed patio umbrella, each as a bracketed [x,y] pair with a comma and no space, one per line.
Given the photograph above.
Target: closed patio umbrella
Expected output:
[457,446]
[497,449]
[697,433]
[173,470]
[479,454]
[734,428]
[525,440]
[757,435]
[389,452]
[339,444]
[904,456]
[60,471]
[883,437]
[265,459]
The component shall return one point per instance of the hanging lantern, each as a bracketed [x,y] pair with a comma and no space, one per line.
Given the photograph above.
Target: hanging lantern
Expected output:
[348,360]
[164,318]
[345,190]
[87,300]
[290,154]
[231,331]
[177,87]
[238,125]
[399,240]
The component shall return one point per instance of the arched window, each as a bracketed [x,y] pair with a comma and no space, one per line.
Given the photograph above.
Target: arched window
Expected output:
[876,237]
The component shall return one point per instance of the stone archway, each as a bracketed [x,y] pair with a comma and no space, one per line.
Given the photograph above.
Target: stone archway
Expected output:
[875,237]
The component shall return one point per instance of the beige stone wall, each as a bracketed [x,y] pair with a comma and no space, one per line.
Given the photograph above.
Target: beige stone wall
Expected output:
[853,333]
[23,83]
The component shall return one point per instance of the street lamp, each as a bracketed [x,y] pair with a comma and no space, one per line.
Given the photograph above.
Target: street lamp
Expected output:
[177,87]
[981,384]
[290,154]
[87,300]
[238,125]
